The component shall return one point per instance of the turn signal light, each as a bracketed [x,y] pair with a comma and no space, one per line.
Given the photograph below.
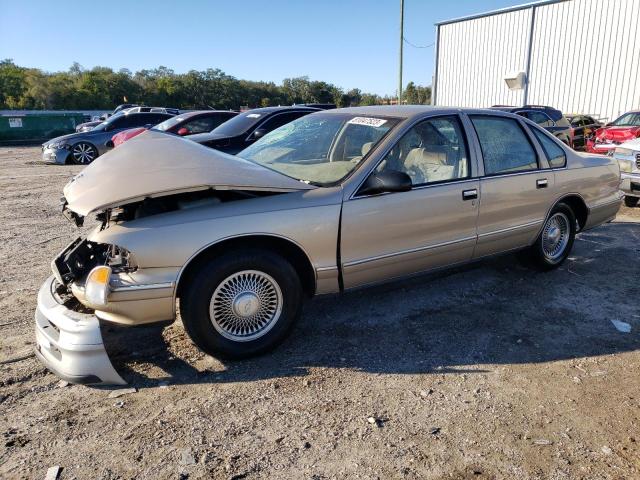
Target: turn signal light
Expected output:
[96,287]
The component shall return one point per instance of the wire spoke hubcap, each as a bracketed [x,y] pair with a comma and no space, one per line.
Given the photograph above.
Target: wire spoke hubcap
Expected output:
[83,153]
[246,305]
[555,236]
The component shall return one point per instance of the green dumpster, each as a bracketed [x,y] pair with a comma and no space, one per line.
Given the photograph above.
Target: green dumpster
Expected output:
[33,127]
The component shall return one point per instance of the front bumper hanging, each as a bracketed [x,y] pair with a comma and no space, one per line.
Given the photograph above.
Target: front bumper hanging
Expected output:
[69,343]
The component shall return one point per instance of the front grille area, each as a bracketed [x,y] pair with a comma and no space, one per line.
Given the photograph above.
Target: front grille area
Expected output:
[638,160]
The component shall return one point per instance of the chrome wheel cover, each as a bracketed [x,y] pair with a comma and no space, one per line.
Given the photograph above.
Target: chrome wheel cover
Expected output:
[245,305]
[555,236]
[83,153]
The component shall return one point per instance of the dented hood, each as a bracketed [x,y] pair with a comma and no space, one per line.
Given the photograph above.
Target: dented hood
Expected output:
[156,164]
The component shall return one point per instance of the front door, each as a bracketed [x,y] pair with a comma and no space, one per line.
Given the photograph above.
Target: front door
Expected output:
[516,189]
[434,224]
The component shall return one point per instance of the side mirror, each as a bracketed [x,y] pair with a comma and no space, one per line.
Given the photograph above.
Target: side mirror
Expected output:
[607,124]
[182,132]
[386,181]
[259,133]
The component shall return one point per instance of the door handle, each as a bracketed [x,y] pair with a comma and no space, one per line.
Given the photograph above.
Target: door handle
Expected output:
[542,183]
[470,194]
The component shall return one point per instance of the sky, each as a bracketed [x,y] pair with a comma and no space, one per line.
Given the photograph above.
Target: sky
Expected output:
[350,43]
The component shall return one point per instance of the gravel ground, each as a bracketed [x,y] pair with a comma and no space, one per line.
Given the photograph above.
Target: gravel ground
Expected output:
[488,371]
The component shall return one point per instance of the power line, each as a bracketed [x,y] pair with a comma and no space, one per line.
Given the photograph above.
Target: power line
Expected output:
[417,46]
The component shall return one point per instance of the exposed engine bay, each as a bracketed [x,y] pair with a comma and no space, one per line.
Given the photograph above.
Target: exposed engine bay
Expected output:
[169,203]
[83,255]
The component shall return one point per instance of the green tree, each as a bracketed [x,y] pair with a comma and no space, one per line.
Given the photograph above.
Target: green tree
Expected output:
[104,88]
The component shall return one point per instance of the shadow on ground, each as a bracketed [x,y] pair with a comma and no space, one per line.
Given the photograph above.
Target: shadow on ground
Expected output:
[493,312]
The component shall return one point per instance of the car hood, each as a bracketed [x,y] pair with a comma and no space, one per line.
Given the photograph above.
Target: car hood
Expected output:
[207,137]
[155,164]
[631,144]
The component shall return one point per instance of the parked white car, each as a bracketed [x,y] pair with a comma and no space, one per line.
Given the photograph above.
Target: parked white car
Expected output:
[628,156]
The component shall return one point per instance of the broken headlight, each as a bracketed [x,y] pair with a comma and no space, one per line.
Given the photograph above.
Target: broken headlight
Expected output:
[82,256]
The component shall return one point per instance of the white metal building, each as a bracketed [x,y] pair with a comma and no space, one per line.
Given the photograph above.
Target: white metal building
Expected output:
[581,56]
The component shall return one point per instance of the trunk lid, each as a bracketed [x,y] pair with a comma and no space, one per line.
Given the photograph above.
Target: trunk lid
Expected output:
[155,164]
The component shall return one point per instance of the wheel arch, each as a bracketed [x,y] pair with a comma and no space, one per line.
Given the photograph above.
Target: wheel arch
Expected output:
[577,204]
[283,246]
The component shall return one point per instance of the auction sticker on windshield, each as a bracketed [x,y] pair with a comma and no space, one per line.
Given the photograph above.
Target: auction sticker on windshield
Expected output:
[370,121]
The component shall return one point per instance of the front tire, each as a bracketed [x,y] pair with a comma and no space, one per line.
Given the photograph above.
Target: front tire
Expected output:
[556,239]
[631,202]
[241,304]
[83,153]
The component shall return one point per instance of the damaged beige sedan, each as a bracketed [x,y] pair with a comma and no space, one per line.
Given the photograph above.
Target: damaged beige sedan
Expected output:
[332,201]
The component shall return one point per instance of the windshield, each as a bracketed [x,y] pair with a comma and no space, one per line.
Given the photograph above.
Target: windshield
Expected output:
[240,123]
[628,120]
[321,148]
[169,123]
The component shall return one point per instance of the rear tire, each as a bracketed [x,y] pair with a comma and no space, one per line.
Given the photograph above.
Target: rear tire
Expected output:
[555,241]
[631,202]
[241,303]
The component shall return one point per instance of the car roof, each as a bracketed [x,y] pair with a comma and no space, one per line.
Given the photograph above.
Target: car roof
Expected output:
[129,114]
[203,112]
[296,108]
[411,111]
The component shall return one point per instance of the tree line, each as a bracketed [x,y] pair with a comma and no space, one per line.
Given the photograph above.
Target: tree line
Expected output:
[102,88]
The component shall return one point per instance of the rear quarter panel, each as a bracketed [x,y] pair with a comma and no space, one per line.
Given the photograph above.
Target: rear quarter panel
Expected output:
[596,178]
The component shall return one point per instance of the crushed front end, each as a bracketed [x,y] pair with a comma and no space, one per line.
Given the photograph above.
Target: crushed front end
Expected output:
[68,337]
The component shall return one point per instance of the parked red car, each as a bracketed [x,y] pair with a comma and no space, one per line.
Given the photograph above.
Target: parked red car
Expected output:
[184,124]
[624,128]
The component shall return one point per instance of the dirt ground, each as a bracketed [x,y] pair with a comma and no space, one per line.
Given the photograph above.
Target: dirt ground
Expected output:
[487,372]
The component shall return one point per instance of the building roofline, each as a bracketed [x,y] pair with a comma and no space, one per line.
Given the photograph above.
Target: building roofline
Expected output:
[515,8]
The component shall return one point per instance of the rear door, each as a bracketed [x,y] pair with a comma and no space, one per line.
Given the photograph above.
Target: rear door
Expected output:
[516,187]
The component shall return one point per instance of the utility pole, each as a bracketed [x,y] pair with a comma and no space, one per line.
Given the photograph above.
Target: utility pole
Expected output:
[401,45]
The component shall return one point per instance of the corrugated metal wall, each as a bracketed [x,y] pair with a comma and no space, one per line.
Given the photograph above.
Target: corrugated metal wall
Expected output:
[585,57]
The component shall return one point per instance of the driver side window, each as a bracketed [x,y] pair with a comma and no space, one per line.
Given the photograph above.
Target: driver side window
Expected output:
[432,151]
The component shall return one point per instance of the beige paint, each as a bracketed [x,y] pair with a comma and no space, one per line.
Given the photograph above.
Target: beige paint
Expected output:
[156,164]
[382,236]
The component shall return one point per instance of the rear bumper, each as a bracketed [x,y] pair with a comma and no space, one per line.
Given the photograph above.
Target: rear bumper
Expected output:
[69,343]
[604,212]
[630,184]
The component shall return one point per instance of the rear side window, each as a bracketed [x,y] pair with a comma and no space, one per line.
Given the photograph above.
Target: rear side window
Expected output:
[555,155]
[540,118]
[138,120]
[505,146]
